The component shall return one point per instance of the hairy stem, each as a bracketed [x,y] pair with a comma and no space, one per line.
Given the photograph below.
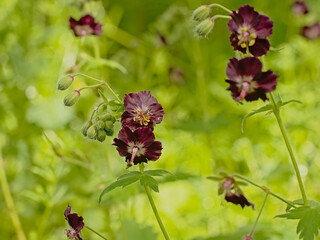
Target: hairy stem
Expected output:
[259,214]
[9,201]
[220,6]
[276,112]
[264,189]
[89,228]
[154,208]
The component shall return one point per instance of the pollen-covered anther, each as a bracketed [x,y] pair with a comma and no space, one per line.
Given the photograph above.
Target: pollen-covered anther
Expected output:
[142,117]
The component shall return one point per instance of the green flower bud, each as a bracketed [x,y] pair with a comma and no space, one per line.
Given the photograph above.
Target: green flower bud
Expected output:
[72,98]
[92,132]
[101,135]
[65,82]
[204,27]
[108,117]
[109,128]
[85,127]
[201,13]
[100,124]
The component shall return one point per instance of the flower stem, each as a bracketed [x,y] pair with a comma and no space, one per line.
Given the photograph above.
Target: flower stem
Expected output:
[220,6]
[259,214]
[90,86]
[264,189]
[220,16]
[103,82]
[276,112]
[9,201]
[154,208]
[89,228]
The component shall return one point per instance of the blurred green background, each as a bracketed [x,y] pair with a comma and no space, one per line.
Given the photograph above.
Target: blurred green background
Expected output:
[200,132]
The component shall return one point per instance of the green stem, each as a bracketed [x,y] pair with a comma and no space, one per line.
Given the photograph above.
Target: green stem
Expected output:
[154,208]
[220,6]
[220,16]
[103,82]
[90,86]
[276,112]
[265,190]
[89,228]
[9,201]
[259,214]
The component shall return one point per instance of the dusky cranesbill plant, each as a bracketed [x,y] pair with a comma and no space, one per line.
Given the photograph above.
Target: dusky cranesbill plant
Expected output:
[137,112]
[248,81]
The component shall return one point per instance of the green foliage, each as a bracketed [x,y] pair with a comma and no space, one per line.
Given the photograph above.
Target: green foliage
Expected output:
[309,219]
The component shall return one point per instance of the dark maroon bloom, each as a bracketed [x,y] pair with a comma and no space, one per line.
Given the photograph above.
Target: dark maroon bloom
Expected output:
[249,30]
[311,32]
[138,146]
[233,192]
[75,222]
[247,81]
[299,8]
[141,109]
[238,199]
[85,26]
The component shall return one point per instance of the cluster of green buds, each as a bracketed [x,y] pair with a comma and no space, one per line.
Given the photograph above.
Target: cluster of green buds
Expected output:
[100,125]
[203,22]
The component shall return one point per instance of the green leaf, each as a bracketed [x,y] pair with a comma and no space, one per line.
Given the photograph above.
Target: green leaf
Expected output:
[214,178]
[149,181]
[122,181]
[300,202]
[281,104]
[309,220]
[157,172]
[115,106]
[103,96]
[265,108]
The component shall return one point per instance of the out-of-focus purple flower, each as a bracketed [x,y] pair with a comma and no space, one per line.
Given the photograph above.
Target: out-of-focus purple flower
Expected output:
[137,146]
[249,30]
[248,237]
[141,109]
[176,75]
[299,8]
[233,193]
[311,32]
[75,222]
[85,26]
[247,81]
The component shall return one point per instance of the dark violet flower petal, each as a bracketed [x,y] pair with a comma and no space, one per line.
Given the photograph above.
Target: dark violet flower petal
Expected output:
[250,29]
[85,26]
[299,8]
[238,199]
[75,222]
[141,109]
[138,145]
[247,81]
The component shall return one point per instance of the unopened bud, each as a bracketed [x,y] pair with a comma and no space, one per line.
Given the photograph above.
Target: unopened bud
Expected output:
[100,124]
[92,132]
[108,117]
[201,13]
[72,98]
[101,135]
[85,127]
[109,128]
[65,82]
[204,27]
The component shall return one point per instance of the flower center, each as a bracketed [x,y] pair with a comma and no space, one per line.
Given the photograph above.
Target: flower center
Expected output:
[143,117]
[246,37]
[246,86]
[83,30]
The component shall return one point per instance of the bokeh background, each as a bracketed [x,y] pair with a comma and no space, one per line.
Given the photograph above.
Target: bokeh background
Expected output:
[200,132]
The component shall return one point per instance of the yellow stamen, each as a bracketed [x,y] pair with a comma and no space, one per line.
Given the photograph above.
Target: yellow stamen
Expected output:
[253,35]
[243,45]
[252,42]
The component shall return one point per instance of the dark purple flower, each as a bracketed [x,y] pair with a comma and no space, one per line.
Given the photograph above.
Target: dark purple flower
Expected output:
[233,192]
[141,109]
[247,81]
[311,32]
[238,199]
[249,30]
[75,222]
[137,146]
[85,26]
[299,8]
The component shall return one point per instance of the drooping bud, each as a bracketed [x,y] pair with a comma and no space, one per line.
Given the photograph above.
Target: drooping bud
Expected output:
[72,98]
[109,128]
[201,13]
[204,28]
[101,135]
[85,128]
[65,82]
[92,132]
[108,117]
[100,124]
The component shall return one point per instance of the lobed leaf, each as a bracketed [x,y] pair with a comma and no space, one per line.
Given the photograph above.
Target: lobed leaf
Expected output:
[157,172]
[147,180]
[265,108]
